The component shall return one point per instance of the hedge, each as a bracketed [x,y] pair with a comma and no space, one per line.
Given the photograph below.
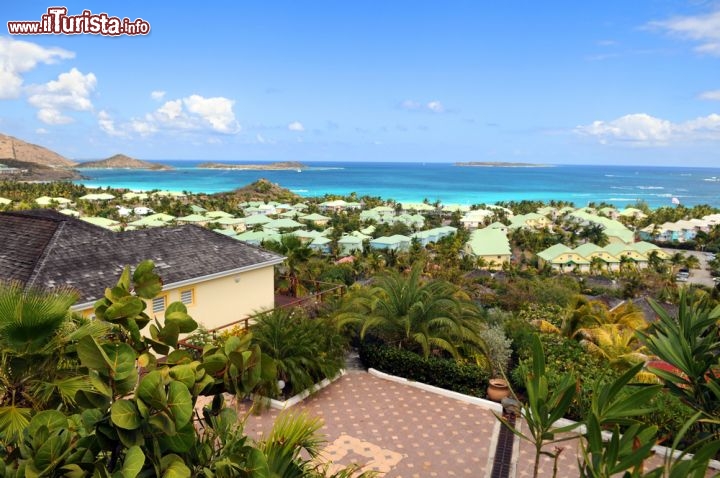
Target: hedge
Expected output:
[465,378]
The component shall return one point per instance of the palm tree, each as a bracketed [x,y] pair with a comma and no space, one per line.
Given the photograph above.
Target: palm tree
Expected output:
[304,350]
[594,233]
[409,312]
[39,368]
[691,262]
[296,252]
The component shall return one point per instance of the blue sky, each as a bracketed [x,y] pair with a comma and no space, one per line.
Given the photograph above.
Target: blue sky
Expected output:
[611,82]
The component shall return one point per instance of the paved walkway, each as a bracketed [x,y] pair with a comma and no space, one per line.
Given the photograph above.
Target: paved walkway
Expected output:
[402,431]
[396,429]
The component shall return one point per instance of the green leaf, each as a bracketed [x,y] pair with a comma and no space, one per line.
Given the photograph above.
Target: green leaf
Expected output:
[131,437]
[121,357]
[125,414]
[147,361]
[172,466]
[257,465]
[52,419]
[134,461]
[49,454]
[128,306]
[177,313]
[13,420]
[180,403]
[214,364]
[163,423]
[124,280]
[181,442]
[179,357]
[146,283]
[73,471]
[152,390]
[169,334]
[91,355]
[184,374]
[126,385]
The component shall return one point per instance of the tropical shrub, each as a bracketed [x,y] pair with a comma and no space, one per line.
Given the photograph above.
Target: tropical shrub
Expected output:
[304,350]
[462,377]
[409,312]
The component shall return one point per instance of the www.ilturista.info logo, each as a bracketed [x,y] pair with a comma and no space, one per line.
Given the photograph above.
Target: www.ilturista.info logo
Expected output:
[57,22]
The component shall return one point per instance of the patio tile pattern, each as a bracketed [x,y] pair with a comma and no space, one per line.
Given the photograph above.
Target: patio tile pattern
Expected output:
[396,429]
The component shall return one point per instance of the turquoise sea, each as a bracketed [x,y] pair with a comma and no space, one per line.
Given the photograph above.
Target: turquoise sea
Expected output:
[618,185]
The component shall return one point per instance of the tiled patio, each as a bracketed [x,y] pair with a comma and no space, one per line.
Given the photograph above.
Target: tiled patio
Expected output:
[402,431]
[397,429]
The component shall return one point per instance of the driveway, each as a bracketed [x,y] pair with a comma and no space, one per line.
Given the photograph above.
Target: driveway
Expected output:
[697,276]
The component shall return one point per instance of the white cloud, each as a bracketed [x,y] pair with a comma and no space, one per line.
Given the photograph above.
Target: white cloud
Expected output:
[107,124]
[710,95]
[641,129]
[704,29]
[217,111]
[410,105]
[192,113]
[71,91]
[157,95]
[433,106]
[296,126]
[18,57]
[41,131]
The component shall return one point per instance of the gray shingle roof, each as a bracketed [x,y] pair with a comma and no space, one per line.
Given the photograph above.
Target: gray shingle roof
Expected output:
[48,249]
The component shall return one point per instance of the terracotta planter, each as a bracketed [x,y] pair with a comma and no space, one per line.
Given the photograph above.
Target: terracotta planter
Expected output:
[498,389]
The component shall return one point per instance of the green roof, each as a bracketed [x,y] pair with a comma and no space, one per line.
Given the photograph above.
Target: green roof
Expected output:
[133,195]
[415,206]
[489,242]
[320,241]
[226,232]
[230,221]
[45,200]
[588,249]
[552,252]
[97,197]
[67,212]
[315,217]
[283,223]
[192,218]
[218,214]
[350,240]
[100,221]
[303,234]
[334,203]
[197,209]
[258,236]
[395,239]
[256,219]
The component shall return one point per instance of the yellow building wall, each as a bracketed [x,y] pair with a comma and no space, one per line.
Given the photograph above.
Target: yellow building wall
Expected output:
[223,300]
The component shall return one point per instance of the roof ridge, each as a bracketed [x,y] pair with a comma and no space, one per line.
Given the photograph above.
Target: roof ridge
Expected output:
[46,252]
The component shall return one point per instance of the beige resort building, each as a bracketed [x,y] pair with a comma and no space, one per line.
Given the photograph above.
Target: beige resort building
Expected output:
[218,278]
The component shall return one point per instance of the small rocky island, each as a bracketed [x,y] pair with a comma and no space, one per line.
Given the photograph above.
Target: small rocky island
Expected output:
[500,164]
[278,166]
[120,161]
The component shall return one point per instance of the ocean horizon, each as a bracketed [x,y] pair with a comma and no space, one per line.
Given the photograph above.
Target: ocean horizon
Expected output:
[444,182]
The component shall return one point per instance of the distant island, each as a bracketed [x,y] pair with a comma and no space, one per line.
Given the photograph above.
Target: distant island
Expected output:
[121,161]
[500,164]
[282,165]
